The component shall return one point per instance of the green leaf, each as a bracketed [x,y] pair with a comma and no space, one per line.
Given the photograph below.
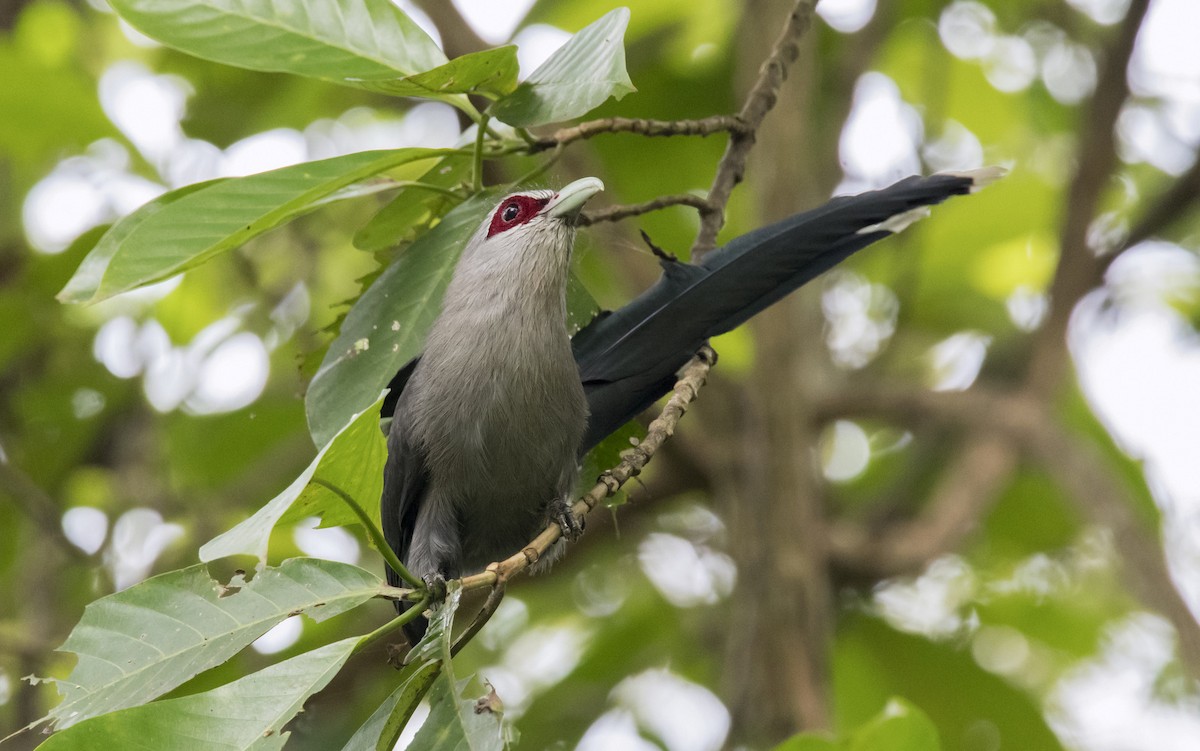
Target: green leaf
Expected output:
[189,226]
[352,461]
[382,729]
[425,663]
[247,714]
[453,724]
[387,325]
[578,77]
[345,41]
[899,727]
[135,645]
[413,205]
[491,73]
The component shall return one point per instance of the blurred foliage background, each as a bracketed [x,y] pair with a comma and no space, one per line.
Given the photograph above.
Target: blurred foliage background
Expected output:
[902,482]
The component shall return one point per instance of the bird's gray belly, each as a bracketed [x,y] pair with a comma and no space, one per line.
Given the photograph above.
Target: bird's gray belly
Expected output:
[500,468]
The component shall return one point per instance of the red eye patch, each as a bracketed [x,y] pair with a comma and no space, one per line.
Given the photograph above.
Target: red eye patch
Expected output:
[514,211]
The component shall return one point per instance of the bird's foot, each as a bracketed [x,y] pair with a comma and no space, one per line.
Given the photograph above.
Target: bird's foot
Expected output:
[565,517]
[436,586]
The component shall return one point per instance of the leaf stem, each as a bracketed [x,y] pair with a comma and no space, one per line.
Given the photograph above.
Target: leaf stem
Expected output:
[408,615]
[373,532]
[477,168]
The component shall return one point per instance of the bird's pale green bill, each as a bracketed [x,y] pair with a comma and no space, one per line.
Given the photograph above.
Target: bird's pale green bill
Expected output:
[570,198]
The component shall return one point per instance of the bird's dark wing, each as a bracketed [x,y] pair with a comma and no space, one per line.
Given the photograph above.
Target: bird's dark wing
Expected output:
[628,359]
[405,479]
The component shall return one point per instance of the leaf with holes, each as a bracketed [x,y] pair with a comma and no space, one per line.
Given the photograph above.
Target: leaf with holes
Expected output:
[576,79]
[248,713]
[344,41]
[137,644]
[191,225]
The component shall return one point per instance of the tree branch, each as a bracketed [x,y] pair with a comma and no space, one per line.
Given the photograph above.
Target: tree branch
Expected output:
[1099,494]
[458,38]
[1165,209]
[703,127]
[966,490]
[1078,266]
[616,213]
[759,101]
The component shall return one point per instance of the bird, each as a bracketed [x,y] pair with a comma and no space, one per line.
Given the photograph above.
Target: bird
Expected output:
[483,443]
[490,421]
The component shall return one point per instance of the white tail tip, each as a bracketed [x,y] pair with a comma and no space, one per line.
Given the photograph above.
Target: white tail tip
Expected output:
[980,178]
[898,222]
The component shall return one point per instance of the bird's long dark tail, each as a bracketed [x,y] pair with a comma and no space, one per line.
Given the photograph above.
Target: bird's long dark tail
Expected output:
[628,358]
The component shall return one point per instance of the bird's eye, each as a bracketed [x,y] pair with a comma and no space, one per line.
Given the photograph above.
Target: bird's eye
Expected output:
[510,212]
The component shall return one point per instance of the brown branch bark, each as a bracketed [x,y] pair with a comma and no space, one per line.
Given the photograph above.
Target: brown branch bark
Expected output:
[703,127]
[1164,210]
[760,100]
[616,213]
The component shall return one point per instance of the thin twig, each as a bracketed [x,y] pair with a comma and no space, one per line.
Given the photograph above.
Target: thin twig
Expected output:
[759,101]
[481,618]
[616,213]
[703,127]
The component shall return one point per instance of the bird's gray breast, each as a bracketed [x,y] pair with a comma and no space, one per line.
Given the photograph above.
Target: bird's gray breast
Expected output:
[500,415]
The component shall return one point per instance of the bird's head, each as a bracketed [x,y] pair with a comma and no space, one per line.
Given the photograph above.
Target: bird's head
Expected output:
[524,243]
[519,213]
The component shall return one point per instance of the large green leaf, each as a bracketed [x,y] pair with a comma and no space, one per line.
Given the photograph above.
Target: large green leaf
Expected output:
[352,462]
[347,41]
[189,226]
[454,723]
[492,73]
[579,76]
[247,714]
[425,664]
[135,645]
[387,325]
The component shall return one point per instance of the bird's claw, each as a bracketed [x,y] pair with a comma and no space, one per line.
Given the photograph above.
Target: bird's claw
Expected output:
[567,520]
[435,584]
